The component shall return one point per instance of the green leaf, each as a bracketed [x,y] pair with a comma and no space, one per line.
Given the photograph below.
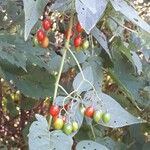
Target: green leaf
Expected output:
[79,84]
[40,137]
[90,145]
[33,10]
[119,116]
[111,144]
[130,13]
[36,83]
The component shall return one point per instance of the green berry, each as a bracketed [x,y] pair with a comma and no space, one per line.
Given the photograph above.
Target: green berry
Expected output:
[106,117]
[75,126]
[67,129]
[97,116]
[86,44]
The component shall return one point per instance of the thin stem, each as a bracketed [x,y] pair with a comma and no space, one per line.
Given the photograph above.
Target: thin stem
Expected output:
[74,57]
[93,132]
[63,89]
[62,65]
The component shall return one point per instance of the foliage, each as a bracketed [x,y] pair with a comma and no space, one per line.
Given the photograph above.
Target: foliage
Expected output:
[112,75]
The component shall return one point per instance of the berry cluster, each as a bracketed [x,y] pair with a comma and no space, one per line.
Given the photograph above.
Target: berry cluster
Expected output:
[41,38]
[78,40]
[97,115]
[60,123]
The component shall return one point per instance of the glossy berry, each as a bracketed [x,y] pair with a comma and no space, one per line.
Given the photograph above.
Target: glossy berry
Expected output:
[106,117]
[67,129]
[45,42]
[35,41]
[54,110]
[75,126]
[67,36]
[82,109]
[89,112]
[86,44]
[47,24]
[58,124]
[79,28]
[77,41]
[97,116]
[40,35]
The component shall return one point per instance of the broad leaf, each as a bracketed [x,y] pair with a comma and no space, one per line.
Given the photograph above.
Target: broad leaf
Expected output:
[101,38]
[119,116]
[90,145]
[40,137]
[79,84]
[137,62]
[130,13]
[33,9]
[89,15]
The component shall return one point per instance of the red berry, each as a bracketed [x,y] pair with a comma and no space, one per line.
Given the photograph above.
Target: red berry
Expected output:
[66,34]
[77,41]
[47,24]
[79,28]
[40,35]
[54,110]
[89,111]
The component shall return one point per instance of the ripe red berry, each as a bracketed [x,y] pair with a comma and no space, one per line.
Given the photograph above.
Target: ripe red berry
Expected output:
[47,24]
[54,110]
[67,36]
[40,35]
[79,28]
[89,112]
[77,41]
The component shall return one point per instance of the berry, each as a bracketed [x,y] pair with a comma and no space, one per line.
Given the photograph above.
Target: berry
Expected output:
[58,124]
[86,44]
[75,126]
[67,36]
[106,117]
[79,28]
[89,112]
[82,109]
[67,129]
[54,110]
[40,35]
[47,24]
[45,42]
[97,116]
[35,41]
[77,41]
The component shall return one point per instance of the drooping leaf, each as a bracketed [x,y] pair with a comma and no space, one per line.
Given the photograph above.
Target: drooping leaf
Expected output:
[119,116]
[89,15]
[130,13]
[79,84]
[90,145]
[61,5]
[41,138]
[137,62]
[101,38]
[33,10]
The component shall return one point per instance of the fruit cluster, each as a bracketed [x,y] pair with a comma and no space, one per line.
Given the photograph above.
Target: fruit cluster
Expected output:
[60,123]
[78,41]
[41,38]
[97,115]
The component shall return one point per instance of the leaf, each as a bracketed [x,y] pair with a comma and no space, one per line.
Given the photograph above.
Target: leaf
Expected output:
[86,17]
[130,13]
[119,116]
[79,84]
[137,62]
[33,9]
[101,38]
[36,83]
[40,137]
[111,144]
[61,5]
[90,145]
